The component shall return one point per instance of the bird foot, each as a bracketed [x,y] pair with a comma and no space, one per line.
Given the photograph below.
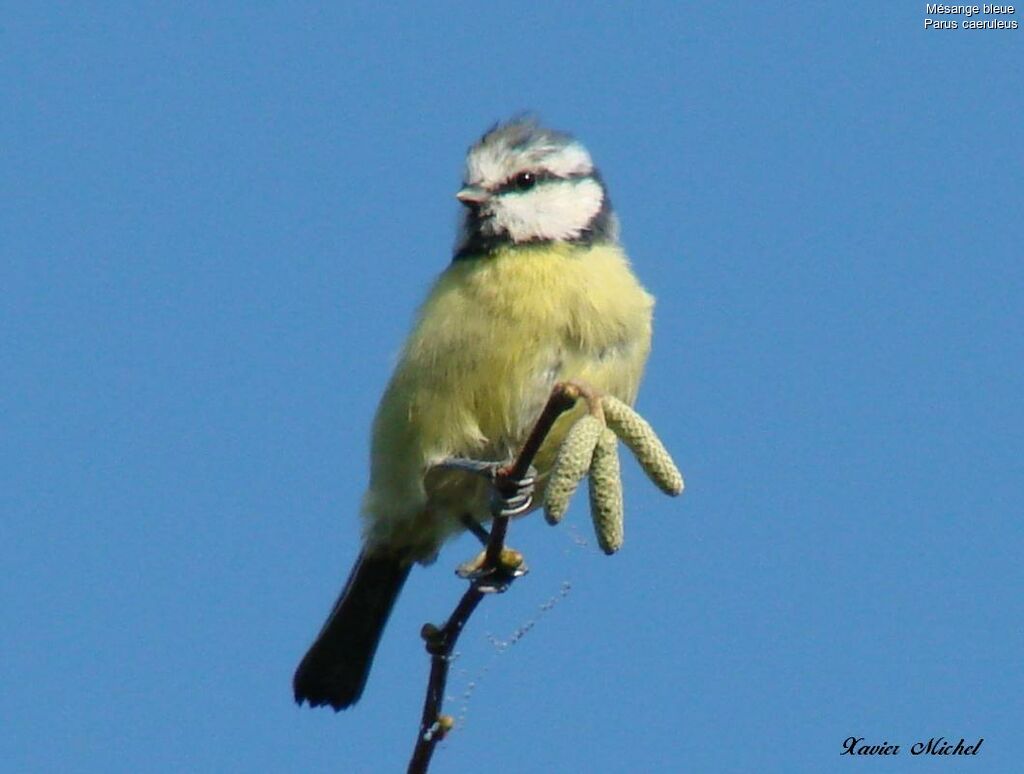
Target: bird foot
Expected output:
[509,496]
[494,579]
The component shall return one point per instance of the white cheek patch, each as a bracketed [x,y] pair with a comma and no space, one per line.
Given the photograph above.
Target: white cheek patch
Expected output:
[552,210]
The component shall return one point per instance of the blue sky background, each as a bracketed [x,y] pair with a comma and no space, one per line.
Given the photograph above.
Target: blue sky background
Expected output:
[216,222]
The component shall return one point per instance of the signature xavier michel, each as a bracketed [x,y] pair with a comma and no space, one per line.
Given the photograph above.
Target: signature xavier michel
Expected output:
[937,745]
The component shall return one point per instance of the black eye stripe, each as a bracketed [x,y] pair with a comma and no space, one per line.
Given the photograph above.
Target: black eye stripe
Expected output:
[539,176]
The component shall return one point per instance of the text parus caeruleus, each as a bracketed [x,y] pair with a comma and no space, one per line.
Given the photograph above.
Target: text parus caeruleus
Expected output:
[539,291]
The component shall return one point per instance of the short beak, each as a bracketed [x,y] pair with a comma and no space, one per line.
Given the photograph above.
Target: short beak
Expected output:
[471,195]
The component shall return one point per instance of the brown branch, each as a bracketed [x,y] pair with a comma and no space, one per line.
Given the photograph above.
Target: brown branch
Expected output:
[498,569]
[440,644]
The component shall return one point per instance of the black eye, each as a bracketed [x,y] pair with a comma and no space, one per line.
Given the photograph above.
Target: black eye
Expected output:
[524,181]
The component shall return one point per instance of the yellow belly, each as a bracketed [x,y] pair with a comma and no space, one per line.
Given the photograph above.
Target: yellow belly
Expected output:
[494,335]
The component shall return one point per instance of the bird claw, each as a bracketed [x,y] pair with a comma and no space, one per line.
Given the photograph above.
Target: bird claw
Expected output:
[494,579]
[509,497]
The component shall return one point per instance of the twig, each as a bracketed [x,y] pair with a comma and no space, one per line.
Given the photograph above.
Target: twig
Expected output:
[496,573]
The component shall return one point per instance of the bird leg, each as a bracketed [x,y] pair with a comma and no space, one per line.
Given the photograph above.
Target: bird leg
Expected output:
[510,496]
[472,525]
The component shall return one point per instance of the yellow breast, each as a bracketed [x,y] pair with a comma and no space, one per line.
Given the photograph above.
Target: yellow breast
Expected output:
[493,336]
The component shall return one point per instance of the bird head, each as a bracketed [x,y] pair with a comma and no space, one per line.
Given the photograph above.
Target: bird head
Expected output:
[528,184]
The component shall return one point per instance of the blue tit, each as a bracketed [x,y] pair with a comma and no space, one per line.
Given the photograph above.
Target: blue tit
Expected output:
[539,291]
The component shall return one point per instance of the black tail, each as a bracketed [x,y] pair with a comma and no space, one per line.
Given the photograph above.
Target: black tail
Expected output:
[334,670]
